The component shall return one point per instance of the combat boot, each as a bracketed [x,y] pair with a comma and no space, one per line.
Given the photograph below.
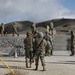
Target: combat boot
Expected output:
[44,69]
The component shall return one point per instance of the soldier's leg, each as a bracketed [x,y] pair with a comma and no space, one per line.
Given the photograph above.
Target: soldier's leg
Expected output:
[31,58]
[52,49]
[46,51]
[42,61]
[13,33]
[16,32]
[37,62]
[26,62]
[49,52]
[72,50]
[27,58]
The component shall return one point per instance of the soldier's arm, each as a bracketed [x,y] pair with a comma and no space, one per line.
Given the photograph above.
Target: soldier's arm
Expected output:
[45,43]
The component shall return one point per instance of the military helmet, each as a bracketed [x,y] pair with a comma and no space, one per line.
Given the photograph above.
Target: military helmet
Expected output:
[40,34]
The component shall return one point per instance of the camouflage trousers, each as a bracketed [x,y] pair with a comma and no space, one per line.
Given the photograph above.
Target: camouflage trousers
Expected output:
[15,32]
[72,49]
[48,49]
[41,56]
[29,56]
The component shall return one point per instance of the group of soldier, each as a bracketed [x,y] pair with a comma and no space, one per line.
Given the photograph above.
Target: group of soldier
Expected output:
[37,45]
[4,31]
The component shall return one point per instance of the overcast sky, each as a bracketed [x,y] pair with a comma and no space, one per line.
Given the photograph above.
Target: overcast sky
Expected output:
[35,10]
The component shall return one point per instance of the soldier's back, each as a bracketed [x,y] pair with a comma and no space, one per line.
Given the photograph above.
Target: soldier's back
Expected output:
[28,42]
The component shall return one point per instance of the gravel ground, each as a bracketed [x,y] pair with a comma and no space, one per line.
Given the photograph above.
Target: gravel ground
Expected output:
[55,65]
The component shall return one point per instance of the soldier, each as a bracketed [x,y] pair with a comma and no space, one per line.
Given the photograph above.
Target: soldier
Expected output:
[48,38]
[15,29]
[51,28]
[50,32]
[72,43]
[2,29]
[40,45]
[28,42]
[33,28]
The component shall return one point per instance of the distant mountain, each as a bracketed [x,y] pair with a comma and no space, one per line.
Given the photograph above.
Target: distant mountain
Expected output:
[61,24]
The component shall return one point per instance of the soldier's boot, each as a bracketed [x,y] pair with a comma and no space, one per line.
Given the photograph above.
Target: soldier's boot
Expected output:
[44,69]
[36,67]
[26,65]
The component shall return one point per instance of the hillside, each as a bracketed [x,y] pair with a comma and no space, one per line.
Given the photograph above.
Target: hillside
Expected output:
[22,26]
[61,24]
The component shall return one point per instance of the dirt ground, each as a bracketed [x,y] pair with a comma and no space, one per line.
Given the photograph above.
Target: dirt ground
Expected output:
[55,65]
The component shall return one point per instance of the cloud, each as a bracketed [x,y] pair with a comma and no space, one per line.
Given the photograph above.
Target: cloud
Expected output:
[33,10]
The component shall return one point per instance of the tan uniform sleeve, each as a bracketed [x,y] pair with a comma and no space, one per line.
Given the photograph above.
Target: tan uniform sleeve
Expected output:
[45,43]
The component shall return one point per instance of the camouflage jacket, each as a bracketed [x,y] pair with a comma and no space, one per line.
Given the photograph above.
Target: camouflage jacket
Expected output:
[14,26]
[28,43]
[42,45]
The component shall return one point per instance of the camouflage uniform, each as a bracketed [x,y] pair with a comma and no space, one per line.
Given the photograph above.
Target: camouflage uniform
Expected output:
[28,42]
[15,29]
[51,28]
[49,38]
[40,51]
[48,49]
[72,43]
[51,33]
[33,28]
[2,29]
